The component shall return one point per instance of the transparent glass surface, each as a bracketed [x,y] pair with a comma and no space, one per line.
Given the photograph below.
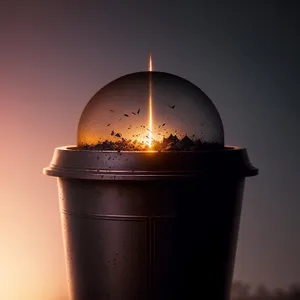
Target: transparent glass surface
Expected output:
[150,111]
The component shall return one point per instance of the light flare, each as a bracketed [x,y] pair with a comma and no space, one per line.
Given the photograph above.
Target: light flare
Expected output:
[150,69]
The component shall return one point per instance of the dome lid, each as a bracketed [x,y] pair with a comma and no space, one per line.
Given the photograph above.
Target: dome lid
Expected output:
[150,111]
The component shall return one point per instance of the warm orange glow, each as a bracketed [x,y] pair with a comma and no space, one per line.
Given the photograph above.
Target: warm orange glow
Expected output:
[150,63]
[150,101]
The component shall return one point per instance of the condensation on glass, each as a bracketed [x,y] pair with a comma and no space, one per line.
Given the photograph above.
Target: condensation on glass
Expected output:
[146,110]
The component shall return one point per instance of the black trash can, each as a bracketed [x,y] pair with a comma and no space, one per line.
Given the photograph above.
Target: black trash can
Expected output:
[150,225]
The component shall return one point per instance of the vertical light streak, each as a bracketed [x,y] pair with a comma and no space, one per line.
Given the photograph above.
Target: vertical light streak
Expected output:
[150,69]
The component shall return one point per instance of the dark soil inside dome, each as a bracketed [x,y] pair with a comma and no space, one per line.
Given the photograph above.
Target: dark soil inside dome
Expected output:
[172,143]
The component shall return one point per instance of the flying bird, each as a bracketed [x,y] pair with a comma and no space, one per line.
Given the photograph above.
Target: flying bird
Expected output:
[173,106]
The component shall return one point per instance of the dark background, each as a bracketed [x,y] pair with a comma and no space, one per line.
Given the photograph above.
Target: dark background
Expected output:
[54,55]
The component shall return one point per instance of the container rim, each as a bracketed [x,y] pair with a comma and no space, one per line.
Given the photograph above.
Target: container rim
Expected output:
[76,148]
[73,162]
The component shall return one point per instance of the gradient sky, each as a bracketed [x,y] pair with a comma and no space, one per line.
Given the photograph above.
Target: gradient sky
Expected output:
[55,55]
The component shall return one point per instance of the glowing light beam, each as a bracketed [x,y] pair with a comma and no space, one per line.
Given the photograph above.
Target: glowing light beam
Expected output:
[150,69]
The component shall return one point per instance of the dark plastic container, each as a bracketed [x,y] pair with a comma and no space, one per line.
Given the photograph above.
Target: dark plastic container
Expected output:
[150,225]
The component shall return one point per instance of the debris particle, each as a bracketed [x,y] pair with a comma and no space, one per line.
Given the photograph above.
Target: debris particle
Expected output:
[125,115]
[108,125]
[112,133]
[111,110]
[133,113]
[163,124]
[138,111]
[118,134]
[173,106]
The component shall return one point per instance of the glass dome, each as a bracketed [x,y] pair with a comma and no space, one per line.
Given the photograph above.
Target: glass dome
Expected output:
[150,111]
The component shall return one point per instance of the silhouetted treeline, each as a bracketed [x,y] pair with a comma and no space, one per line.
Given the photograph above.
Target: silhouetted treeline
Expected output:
[243,291]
